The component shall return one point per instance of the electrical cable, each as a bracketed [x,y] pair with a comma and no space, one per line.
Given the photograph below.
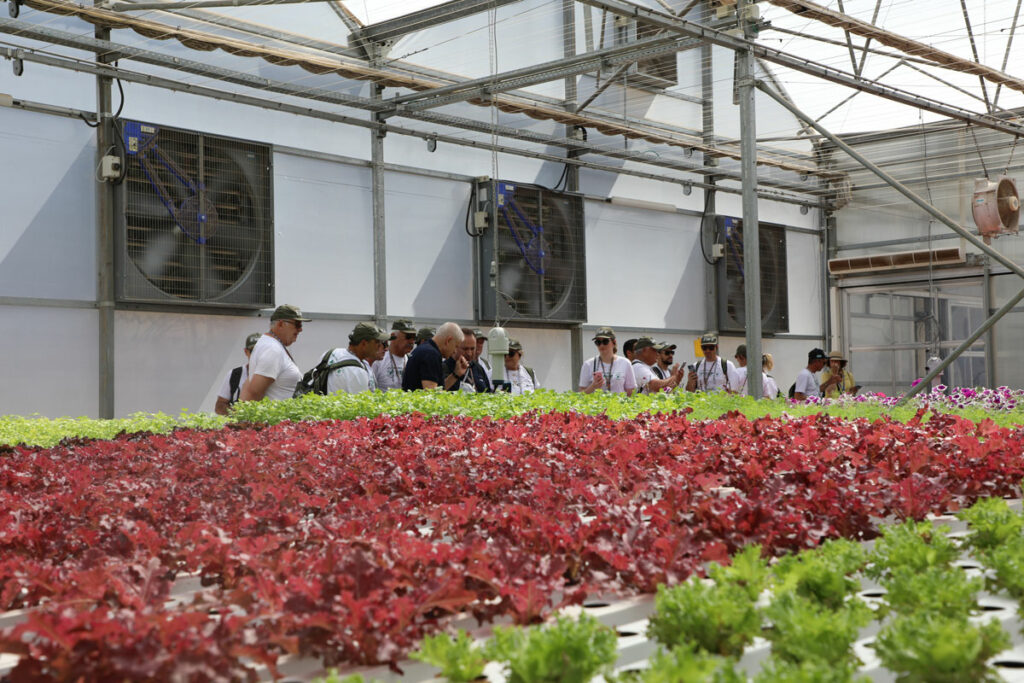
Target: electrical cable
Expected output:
[704,215]
[469,213]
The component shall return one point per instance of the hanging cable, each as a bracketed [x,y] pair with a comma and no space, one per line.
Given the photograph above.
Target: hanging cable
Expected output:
[1013,149]
[700,238]
[977,148]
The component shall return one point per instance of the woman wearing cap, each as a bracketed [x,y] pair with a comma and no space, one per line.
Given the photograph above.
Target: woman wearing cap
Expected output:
[768,387]
[836,379]
[521,379]
[607,370]
[273,373]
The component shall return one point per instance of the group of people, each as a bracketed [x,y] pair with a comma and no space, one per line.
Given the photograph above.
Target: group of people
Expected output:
[451,358]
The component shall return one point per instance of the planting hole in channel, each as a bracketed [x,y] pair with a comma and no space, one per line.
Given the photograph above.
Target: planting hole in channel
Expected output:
[1009,664]
[594,605]
[878,593]
[992,608]
[626,634]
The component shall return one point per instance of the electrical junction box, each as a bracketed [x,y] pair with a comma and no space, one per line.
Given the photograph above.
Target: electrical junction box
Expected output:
[110,167]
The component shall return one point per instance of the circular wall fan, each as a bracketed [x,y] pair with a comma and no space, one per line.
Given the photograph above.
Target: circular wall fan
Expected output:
[996,206]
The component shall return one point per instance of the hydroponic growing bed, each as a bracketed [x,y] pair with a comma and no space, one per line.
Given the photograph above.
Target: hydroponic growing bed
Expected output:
[346,542]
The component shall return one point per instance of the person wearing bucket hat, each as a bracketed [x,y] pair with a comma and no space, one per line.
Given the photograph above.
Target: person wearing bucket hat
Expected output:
[646,351]
[711,373]
[606,371]
[836,379]
[364,343]
[273,373]
[806,385]
[388,371]
[232,386]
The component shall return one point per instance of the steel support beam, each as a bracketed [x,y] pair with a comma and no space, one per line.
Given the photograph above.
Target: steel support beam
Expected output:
[1009,46]
[105,243]
[751,234]
[572,173]
[707,222]
[425,18]
[895,184]
[806,66]
[66,39]
[377,188]
[568,65]
[965,345]
[197,4]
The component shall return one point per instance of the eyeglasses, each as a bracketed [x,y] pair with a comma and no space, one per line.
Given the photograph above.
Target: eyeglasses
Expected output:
[602,342]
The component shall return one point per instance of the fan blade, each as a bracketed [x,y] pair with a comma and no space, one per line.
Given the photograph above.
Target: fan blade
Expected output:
[156,258]
[147,206]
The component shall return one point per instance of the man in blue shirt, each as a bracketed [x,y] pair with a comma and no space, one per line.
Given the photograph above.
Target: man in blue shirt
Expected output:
[474,379]
[424,369]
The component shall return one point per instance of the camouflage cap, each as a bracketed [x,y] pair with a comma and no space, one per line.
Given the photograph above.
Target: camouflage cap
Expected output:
[709,339]
[643,343]
[514,345]
[365,331]
[288,312]
[250,341]
[604,333]
[479,334]
[403,325]
[425,333]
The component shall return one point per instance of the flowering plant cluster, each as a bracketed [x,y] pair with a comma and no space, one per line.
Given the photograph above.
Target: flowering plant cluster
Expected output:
[350,541]
[940,399]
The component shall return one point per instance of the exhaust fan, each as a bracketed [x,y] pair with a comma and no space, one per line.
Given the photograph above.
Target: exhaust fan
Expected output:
[996,207]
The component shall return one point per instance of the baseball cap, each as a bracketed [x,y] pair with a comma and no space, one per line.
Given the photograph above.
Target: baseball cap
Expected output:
[250,341]
[514,345]
[709,339]
[403,325]
[288,312]
[604,333]
[425,333]
[364,331]
[643,343]
[479,334]
[665,346]
[741,350]
[816,354]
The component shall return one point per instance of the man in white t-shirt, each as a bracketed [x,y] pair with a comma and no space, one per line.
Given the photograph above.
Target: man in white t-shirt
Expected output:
[806,383]
[481,358]
[235,380]
[711,373]
[645,351]
[666,364]
[607,371]
[388,371]
[273,373]
[518,378]
[355,376]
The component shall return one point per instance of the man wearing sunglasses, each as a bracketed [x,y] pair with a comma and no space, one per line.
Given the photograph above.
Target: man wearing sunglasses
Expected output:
[646,359]
[388,371]
[607,371]
[666,364]
[519,378]
[712,373]
[273,373]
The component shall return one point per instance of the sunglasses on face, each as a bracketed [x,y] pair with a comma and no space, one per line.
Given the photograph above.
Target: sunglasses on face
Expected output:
[297,324]
[668,353]
[602,342]
[510,354]
[709,347]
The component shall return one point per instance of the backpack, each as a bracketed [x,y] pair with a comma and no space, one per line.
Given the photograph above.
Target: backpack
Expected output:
[532,374]
[792,390]
[315,381]
[233,382]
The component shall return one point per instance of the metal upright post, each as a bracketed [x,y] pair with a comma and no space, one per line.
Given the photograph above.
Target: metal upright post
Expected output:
[105,237]
[380,272]
[748,171]
[572,173]
[707,226]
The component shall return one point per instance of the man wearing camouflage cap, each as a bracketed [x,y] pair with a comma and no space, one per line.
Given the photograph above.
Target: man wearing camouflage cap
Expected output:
[388,371]
[273,373]
[646,351]
[481,358]
[424,334]
[232,386]
[363,344]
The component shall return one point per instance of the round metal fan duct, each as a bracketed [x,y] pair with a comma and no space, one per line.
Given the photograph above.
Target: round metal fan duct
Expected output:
[996,206]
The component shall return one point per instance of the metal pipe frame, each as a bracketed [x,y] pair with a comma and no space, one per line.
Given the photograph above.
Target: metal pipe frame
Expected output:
[425,18]
[941,217]
[751,227]
[318,94]
[105,241]
[806,66]
[964,346]
[197,4]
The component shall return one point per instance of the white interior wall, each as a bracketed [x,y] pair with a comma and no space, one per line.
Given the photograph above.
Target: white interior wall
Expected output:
[47,228]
